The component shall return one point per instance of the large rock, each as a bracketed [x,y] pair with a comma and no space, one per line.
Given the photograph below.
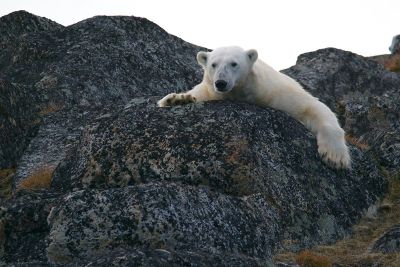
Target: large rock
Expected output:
[102,60]
[262,164]
[76,72]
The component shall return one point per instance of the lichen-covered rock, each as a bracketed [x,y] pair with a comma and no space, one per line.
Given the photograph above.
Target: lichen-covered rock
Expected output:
[162,257]
[389,242]
[19,23]
[161,216]
[56,135]
[363,94]
[99,61]
[241,153]
[18,122]
[23,226]
[78,71]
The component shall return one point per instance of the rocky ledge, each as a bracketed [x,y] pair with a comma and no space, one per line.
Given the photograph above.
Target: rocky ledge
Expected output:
[97,174]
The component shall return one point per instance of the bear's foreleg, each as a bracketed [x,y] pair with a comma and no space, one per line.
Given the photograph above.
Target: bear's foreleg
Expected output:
[330,136]
[199,93]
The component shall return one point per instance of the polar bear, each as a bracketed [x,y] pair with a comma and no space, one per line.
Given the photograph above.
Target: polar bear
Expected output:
[235,74]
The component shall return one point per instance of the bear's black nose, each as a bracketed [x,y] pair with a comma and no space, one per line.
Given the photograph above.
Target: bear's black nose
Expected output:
[221,85]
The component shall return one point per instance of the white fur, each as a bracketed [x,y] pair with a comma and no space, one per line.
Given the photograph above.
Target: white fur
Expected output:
[251,80]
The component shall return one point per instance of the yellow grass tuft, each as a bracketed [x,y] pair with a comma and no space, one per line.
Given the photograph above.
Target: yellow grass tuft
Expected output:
[307,258]
[40,179]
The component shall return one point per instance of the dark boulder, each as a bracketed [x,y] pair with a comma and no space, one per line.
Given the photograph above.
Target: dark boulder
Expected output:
[261,163]
[69,75]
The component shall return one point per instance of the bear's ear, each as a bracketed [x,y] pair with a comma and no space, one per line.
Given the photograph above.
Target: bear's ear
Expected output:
[252,54]
[202,58]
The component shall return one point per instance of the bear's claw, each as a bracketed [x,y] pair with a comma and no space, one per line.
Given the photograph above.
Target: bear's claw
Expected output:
[335,156]
[176,99]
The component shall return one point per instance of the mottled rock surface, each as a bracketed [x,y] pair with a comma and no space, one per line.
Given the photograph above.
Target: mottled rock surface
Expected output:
[207,184]
[260,162]
[159,216]
[19,23]
[18,122]
[162,257]
[389,242]
[24,227]
[78,71]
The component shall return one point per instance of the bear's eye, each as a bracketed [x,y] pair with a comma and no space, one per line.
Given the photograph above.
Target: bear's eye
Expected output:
[214,65]
[233,64]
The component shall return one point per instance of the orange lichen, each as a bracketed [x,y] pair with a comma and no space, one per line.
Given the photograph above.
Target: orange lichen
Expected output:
[40,179]
[356,142]
[51,108]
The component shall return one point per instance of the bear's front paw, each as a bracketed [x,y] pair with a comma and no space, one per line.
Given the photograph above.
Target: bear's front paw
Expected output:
[176,99]
[336,155]
[333,149]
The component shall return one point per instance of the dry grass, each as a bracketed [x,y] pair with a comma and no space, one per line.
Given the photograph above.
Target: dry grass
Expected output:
[356,142]
[307,258]
[393,63]
[40,179]
[355,250]
[6,176]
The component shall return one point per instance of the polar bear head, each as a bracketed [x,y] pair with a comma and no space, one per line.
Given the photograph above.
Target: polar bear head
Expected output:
[226,68]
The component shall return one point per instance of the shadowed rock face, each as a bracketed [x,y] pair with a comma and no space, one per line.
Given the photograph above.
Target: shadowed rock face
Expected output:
[18,122]
[217,183]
